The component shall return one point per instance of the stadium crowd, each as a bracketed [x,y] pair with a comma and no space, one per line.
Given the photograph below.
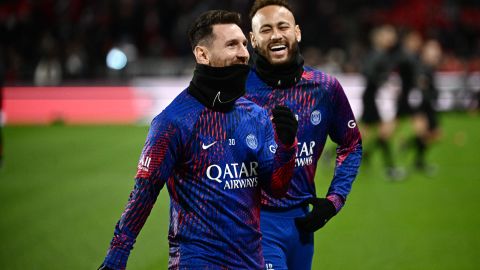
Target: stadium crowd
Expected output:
[69,40]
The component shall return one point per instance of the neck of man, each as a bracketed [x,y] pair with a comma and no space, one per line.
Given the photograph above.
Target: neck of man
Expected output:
[279,76]
[218,87]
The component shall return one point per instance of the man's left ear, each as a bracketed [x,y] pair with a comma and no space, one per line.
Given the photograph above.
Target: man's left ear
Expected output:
[253,40]
[201,55]
[298,33]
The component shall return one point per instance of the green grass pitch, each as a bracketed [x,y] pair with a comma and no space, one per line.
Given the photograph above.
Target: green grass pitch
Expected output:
[62,188]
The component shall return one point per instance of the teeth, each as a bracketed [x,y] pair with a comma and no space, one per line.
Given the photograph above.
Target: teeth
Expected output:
[278,47]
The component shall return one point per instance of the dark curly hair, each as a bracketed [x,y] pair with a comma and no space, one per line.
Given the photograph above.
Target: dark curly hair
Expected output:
[263,3]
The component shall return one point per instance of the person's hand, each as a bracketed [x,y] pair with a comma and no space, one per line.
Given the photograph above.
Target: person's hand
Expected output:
[285,124]
[323,210]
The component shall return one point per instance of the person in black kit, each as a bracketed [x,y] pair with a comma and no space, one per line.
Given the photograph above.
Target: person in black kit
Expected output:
[426,124]
[378,67]
[408,67]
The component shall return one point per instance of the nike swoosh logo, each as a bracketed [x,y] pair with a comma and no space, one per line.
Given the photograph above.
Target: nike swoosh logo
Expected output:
[217,97]
[205,147]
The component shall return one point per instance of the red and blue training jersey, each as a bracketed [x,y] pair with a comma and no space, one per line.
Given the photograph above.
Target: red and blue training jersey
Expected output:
[215,165]
[322,109]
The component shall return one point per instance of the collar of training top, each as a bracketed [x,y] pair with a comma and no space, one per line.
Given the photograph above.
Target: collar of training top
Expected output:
[279,76]
[218,87]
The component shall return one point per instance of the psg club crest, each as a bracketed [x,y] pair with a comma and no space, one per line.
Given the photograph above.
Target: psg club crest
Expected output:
[251,141]
[316,117]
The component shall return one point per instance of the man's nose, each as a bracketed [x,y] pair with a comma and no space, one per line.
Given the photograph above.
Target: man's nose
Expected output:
[243,54]
[275,34]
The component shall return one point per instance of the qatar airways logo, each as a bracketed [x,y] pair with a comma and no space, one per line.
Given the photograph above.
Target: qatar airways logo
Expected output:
[304,155]
[234,175]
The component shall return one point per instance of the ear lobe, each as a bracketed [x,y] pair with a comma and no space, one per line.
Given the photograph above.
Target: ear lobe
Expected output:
[253,41]
[298,33]
[201,55]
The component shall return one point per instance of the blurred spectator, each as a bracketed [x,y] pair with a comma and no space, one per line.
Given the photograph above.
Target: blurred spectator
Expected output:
[48,70]
[84,31]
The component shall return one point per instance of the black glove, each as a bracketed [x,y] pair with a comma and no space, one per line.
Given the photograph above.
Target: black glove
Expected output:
[103,267]
[323,210]
[285,124]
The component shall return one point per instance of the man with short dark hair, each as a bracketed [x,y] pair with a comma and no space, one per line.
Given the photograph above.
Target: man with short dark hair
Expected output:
[215,151]
[322,109]
[378,132]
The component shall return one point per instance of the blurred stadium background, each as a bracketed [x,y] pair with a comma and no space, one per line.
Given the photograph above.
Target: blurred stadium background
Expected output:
[80,81]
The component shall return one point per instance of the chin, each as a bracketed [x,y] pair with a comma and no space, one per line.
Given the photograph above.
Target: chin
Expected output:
[279,61]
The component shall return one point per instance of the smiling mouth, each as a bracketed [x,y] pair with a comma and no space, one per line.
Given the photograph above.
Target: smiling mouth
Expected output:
[278,48]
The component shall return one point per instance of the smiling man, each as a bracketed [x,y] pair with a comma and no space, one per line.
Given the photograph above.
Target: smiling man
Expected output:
[215,151]
[279,77]
[275,35]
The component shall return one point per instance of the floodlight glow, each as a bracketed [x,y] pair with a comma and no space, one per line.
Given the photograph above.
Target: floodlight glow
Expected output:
[116,59]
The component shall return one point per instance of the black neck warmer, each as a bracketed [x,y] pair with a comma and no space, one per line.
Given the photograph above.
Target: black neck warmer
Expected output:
[279,76]
[218,87]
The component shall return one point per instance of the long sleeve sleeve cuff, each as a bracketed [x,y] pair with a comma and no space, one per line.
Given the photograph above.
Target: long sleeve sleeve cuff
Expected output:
[118,252]
[337,200]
